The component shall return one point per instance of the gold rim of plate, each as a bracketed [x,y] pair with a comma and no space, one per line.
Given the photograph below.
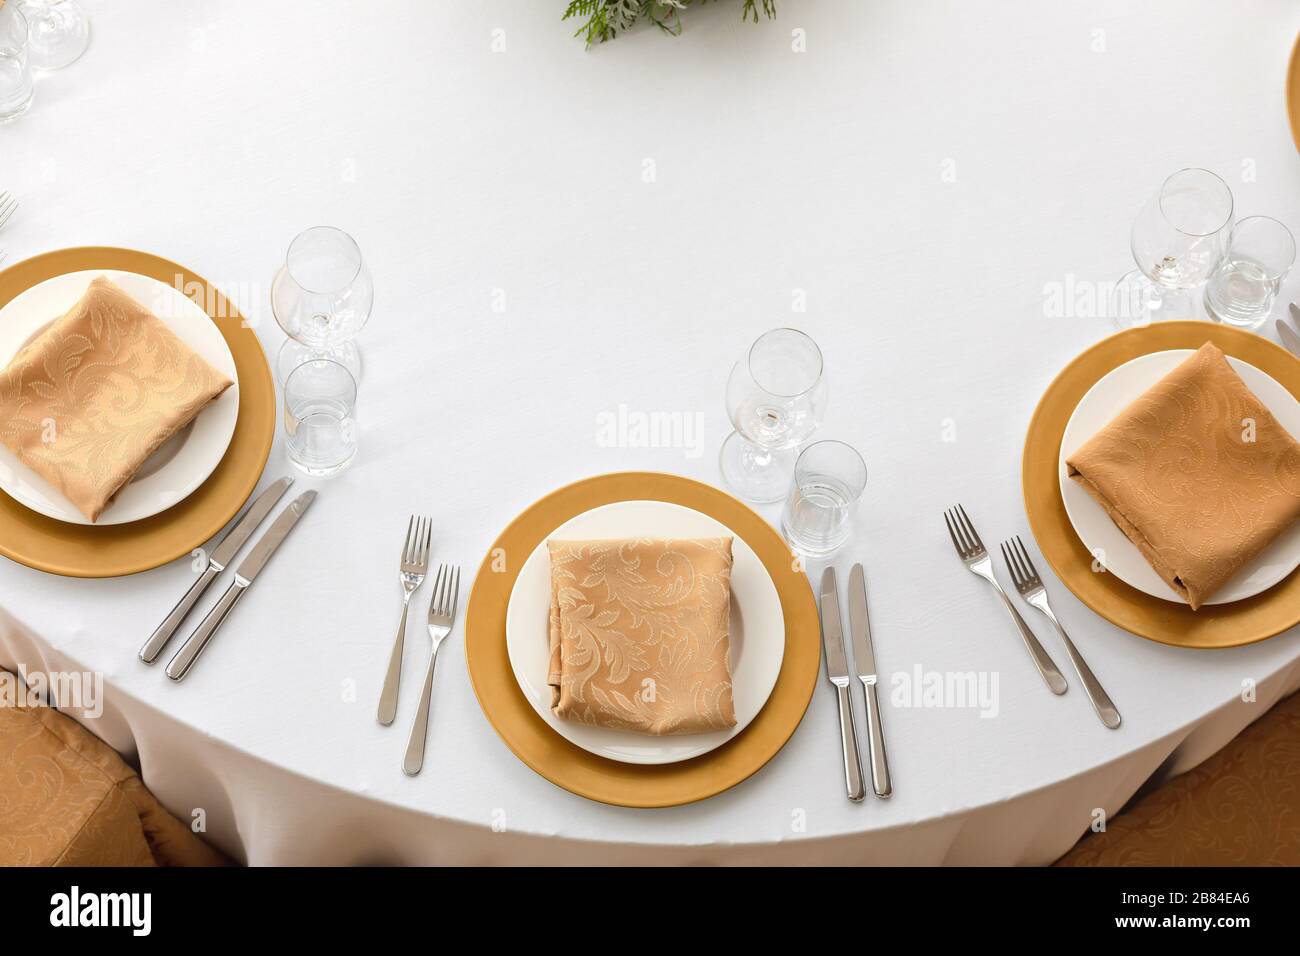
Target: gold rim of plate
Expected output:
[1293,92]
[597,778]
[1217,625]
[98,552]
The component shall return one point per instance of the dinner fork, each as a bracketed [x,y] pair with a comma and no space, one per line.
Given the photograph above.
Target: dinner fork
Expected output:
[414,566]
[1030,586]
[442,615]
[973,554]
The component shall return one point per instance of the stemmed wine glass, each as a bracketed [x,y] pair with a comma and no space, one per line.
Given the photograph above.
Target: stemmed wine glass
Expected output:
[59,32]
[1178,239]
[776,396]
[321,298]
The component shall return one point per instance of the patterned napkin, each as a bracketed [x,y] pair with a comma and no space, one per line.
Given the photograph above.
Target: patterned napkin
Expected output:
[1197,473]
[90,398]
[638,634]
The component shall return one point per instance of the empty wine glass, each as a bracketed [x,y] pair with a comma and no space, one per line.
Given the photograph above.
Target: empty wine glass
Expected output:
[15,68]
[60,32]
[321,298]
[776,396]
[1178,239]
[1241,291]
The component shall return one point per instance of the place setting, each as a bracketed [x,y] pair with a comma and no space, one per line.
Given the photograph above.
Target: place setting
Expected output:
[1161,473]
[139,410]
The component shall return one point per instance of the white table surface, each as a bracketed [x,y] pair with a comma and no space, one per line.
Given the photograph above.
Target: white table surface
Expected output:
[921,176]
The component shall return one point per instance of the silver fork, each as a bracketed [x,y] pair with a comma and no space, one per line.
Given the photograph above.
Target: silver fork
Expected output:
[1030,586]
[972,553]
[411,572]
[442,615]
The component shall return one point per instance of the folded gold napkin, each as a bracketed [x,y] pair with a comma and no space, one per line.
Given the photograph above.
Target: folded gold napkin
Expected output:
[1197,473]
[638,634]
[90,398]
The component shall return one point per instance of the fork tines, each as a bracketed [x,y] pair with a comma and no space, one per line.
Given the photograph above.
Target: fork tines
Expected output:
[1022,569]
[964,536]
[7,206]
[415,552]
[446,592]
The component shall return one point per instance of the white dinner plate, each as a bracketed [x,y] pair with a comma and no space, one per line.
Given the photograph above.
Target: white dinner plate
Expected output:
[178,467]
[756,632]
[1106,399]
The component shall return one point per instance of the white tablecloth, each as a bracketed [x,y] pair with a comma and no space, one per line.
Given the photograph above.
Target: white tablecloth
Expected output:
[557,234]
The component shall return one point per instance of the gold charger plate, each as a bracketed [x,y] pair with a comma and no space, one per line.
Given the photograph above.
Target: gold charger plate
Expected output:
[87,551]
[1214,625]
[584,773]
[1293,92]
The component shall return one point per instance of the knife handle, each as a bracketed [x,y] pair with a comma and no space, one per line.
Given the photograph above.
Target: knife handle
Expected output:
[158,640]
[876,744]
[180,664]
[849,740]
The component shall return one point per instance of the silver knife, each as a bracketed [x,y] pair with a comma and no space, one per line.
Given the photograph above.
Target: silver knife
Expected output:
[837,670]
[1289,338]
[244,576]
[864,657]
[221,557]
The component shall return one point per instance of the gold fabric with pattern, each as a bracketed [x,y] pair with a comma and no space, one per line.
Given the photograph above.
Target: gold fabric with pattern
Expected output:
[66,799]
[1241,807]
[639,634]
[97,392]
[1197,473]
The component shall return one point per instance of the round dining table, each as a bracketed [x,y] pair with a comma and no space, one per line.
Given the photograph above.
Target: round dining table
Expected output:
[562,238]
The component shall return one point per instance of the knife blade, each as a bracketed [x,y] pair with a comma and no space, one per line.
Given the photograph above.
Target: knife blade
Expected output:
[1289,338]
[864,657]
[837,671]
[217,562]
[245,574]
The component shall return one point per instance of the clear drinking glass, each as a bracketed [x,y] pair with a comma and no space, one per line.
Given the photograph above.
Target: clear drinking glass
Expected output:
[1178,239]
[1241,291]
[60,32]
[15,68]
[320,428]
[776,396]
[322,297]
[829,479]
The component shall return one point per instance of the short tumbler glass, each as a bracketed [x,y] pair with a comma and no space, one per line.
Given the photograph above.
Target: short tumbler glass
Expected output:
[15,67]
[829,478]
[1242,289]
[320,428]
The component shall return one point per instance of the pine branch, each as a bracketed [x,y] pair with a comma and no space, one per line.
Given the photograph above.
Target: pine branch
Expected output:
[606,19]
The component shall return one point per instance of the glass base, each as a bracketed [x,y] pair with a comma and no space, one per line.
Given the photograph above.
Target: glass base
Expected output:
[754,473]
[59,33]
[293,353]
[1136,302]
[316,471]
[1237,318]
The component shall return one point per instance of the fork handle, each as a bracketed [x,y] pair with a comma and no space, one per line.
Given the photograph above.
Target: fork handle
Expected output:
[1051,675]
[1101,701]
[388,699]
[420,729]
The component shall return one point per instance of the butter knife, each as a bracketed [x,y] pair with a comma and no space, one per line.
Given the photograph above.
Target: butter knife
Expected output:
[220,559]
[837,671]
[1289,338]
[245,574]
[864,660]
